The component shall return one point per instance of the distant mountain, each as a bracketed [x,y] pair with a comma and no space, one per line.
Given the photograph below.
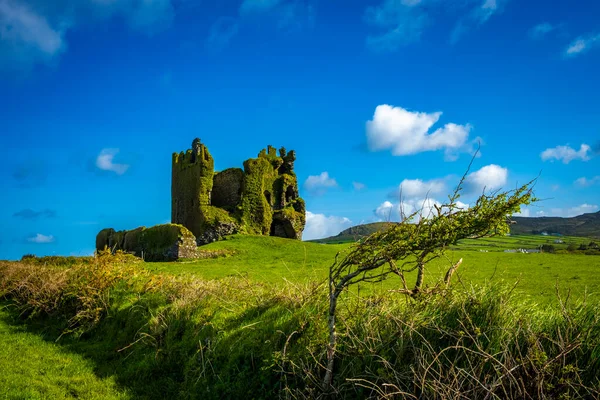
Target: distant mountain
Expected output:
[587,225]
[582,225]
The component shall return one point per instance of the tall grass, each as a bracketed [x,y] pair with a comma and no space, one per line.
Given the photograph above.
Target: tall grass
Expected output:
[165,336]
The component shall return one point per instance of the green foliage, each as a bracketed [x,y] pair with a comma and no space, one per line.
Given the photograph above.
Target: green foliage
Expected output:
[548,248]
[413,245]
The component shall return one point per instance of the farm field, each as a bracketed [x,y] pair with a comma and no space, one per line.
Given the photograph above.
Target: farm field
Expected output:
[277,261]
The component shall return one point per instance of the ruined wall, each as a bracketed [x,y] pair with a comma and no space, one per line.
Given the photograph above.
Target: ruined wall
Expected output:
[227,189]
[166,242]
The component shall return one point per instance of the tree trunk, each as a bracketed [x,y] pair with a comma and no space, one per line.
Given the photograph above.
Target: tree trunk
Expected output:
[420,274]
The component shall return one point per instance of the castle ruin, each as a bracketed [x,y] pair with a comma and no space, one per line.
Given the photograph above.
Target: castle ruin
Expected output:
[261,199]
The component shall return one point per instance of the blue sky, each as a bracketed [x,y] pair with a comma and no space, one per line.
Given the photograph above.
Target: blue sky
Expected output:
[95,95]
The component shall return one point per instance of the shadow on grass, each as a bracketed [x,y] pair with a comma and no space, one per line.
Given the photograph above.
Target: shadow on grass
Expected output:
[170,360]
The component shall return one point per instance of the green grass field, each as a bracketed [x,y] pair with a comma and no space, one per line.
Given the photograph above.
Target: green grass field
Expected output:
[276,261]
[231,315]
[33,368]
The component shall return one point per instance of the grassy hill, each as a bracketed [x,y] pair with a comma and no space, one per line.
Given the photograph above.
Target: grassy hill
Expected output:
[581,225]
[354,233]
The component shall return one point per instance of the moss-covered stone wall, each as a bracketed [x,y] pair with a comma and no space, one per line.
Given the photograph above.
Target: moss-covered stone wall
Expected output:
[227,189]
[165,242]
[261,199]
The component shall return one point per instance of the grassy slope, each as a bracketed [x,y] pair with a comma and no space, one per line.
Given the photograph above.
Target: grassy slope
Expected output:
[274,260]
[581,225]
[261,258]
[45,370]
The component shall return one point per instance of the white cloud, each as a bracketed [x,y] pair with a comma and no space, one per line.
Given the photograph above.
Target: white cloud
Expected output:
[488,178]
[359,186]
[526,212]
[541,30]
[319,183]
[319,226]
[585,182]
[41,239]
[582,45]
[411,188]
[425,208]
[34,31]
[406,132]
[104,161]
[566,153]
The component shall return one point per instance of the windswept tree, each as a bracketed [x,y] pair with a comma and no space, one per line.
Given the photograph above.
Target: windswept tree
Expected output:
[420,238]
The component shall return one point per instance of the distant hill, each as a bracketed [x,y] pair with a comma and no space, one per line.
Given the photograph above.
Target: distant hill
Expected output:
[587,225]
[355,233]
[581,225]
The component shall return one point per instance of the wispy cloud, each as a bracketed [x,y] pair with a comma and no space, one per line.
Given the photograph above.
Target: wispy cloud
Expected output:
[318,184]
[33,32]
[105,162]
[221,33]
[258,6]
[541,30]
[587,182]
[25,36]
[28,213]
[582,45]
[476,17]
[40,239]
[358,186]
[566,154]
[409,132]
[399,22]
